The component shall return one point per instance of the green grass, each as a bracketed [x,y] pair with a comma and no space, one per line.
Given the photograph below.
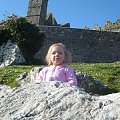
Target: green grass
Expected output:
[8,74]
[108,73]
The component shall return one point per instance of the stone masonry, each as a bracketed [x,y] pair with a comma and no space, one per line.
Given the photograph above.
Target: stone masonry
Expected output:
[37,11]
[85,45]
[37,14]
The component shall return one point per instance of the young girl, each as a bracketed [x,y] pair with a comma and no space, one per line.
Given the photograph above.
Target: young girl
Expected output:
[57,70]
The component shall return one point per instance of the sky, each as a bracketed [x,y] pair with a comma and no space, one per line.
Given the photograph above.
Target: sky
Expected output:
[79,13]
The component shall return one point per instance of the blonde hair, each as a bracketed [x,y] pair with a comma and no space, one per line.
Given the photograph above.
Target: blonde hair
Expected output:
[67,54]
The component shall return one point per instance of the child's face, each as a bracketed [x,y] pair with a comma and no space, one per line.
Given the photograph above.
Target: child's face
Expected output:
[57,55]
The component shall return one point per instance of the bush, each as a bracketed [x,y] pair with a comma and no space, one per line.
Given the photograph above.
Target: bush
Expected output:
[4,36]
[22,32]
[25,34]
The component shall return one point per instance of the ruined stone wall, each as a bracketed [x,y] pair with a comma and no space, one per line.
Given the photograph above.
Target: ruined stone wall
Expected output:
[85,45]
[37,11]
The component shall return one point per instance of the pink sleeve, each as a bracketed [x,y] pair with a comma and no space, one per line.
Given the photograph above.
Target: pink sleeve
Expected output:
[41,75]
[70,76]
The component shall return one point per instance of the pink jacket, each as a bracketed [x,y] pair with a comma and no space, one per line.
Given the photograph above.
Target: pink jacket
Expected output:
[58,73]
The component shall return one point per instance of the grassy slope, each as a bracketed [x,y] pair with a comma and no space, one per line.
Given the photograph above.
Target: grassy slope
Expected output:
[108,73]
[8,74]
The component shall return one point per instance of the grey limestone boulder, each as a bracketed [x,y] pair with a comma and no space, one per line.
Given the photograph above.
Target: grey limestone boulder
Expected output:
[85,81]
[57,101]
[10,54]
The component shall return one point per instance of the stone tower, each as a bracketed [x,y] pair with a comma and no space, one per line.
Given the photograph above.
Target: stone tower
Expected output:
[37,11]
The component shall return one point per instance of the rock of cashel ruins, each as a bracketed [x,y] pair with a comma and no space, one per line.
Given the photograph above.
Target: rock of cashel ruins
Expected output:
[99,44]
[96,45]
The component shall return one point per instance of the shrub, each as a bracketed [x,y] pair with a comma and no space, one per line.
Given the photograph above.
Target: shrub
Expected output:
[4,36]
[25,34]
[22,32]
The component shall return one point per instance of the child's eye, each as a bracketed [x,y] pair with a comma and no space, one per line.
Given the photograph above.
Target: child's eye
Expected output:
[53,53]
[60,53]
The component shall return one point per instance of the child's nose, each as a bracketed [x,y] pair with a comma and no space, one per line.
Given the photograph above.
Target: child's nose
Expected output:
[56,54]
